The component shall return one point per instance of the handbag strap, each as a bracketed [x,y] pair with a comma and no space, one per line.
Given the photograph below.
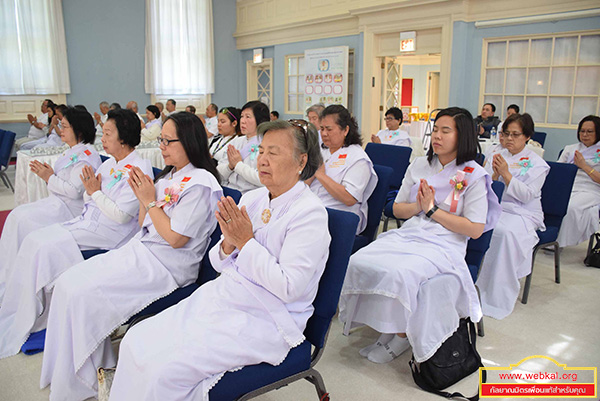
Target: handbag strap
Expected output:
[418,379]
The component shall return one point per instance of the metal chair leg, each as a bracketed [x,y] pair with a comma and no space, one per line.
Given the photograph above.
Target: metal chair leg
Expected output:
[556,263]
[316,379]
[385,223]
[528,279]
[480,331]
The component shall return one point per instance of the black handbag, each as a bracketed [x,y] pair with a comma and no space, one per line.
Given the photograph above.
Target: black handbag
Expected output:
[456,359]
[593,257]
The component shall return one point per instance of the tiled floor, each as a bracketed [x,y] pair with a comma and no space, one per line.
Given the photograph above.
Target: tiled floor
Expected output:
[7,200]
[561,321]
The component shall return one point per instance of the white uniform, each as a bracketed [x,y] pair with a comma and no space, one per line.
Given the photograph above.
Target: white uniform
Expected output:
[100,294]
[48,252]
[509,257]
[254,312]
[351,167]
[64,203]
[103,119]
[382,286]
[212,125]
[152,130]
[397,137]
[52,140]
[244,177]
[34,132]
[218,147]
[581,220]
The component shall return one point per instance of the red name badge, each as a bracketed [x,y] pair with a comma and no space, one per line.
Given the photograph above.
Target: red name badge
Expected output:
[128,166]
[186,179]
[87,152]
[524,158]
[343,156]
[468,169]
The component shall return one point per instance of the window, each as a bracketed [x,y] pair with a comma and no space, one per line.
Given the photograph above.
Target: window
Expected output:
[34,51]
[555,78]
[179,47]
[294,83]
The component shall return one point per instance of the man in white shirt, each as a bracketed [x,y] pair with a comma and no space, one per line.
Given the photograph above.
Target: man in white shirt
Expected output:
[39,125]
[211,119]
[133,106]
[101,119]
[171,104]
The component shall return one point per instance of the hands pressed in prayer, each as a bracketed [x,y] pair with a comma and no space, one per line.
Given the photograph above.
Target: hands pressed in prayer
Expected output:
[42,170]
[375,139]
[142,186]
[97,117]
[234,156]
[31,119]
[91,182]
[500,168]
[425,196]
[235,224]
[142,124]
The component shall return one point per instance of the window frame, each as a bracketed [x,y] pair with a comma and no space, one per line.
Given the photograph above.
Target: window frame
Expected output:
[287,93]
[528,66]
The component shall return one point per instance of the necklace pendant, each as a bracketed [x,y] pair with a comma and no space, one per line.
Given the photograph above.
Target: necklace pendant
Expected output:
[266,216]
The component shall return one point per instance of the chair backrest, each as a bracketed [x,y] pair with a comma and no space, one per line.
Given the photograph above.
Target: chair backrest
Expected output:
[104,158]
[156,171]
[376,201]
[7,140]
[395,157]
[342,226]
[556,192]
[539,137]
[207,272]
[476,248]
[480,159]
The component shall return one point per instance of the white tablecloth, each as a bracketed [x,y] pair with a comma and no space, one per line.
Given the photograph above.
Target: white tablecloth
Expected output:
[485,144]
[29,187]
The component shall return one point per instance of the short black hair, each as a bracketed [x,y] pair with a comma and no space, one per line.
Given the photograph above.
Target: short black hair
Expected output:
[275,113]
[49,102]
[514,107]
[525,122]
[62,108]
[492,105]
[115,106]
[233,114]
[154,110]
[259,110]
[128,126]
[82,123]
[396,112]
[466,140]
[192,135]
[595,120]
[344,119]
[214,107]
[191,107]
[172,101]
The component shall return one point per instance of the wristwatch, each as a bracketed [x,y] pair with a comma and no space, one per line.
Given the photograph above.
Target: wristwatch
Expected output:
[150,205]
[431,211]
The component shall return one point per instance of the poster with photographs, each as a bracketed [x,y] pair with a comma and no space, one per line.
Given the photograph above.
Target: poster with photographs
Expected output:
[326,76]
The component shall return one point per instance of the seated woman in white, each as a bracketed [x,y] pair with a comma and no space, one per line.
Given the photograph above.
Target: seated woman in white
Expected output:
[151,129]
[271,258]
[393,135]
[509,257]
[446,198]
[347,178]
[46,129]
[55,135]
[108,221]
[581,220]
[177,216]
[64,185]
[238,170]
[228,124]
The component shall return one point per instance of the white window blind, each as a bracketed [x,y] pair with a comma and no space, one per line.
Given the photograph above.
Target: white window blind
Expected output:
[33,54]
[179,47]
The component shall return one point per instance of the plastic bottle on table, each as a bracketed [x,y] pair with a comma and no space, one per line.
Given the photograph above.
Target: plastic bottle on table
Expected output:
[493,135]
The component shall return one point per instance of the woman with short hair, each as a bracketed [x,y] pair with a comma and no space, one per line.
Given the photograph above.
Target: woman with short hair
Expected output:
[509,257]
[581,219]
[238,170]
[446,199]
[64,185]
[347,178]
[151,129]
[108,221]
[392,135]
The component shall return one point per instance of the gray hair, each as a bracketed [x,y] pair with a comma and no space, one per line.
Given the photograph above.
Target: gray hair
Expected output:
[105,104]
[316,108]
[303,143]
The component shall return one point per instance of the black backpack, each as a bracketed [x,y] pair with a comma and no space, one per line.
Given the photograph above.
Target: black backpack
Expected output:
[456,359]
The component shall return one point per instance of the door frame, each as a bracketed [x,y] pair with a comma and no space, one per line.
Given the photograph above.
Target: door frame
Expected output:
[252,81]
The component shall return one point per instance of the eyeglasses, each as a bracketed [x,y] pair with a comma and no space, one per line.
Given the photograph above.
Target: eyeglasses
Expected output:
[587,132]
[165,141]
[507,134]
[303,124]
[390,119]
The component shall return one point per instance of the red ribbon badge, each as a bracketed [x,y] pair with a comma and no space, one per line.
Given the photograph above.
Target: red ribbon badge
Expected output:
[343,156]
[186,179]
[87,152]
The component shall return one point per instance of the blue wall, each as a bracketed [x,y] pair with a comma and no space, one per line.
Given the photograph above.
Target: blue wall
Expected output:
[278,53]
[465,73]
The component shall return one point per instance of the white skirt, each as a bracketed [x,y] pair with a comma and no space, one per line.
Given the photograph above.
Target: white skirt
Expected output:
[507,260]
[21,221]
[89,302]
[181,353]
[581,220]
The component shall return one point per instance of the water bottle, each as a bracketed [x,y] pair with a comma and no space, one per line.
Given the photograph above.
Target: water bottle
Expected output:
[493,135]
